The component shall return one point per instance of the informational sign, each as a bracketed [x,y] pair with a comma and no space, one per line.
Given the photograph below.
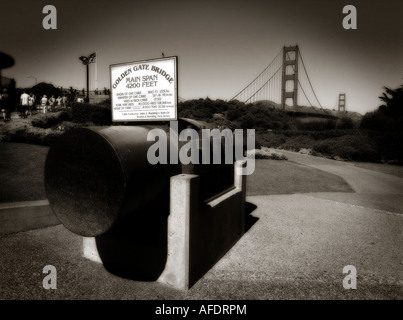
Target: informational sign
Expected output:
[145,90]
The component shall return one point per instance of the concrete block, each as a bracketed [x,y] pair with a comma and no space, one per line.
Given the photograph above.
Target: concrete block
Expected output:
[184,202]
[90,250]
[199,233]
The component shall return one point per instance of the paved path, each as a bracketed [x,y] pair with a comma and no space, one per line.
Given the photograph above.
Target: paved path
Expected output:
[373,189]
[362,180]
[295,250]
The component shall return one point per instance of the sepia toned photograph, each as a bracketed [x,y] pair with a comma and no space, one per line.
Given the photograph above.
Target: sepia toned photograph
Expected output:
[214,152]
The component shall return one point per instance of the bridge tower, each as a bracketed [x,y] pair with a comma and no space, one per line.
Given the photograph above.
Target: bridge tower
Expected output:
[290,73]
[342,102]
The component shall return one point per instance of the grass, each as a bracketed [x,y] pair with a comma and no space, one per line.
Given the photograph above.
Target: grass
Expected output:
[23,130]
[285,177]
[22,170]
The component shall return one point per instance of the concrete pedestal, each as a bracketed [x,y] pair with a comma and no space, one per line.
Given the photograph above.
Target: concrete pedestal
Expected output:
[199,233]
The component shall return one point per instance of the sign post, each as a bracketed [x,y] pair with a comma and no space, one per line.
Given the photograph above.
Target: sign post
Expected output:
[145,90]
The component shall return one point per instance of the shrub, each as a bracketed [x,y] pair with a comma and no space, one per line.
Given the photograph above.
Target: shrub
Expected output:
[390,145]
[270,139]
[318,125]
[298,142]
[248,121]
[323,147]
[276,125]
[49,120]
[99,114]
[350,147]
[375,121]
[345,123]
[200,109]
[266,154]
[26,136]
[233,114]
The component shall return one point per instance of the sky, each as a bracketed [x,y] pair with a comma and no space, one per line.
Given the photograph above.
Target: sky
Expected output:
[221,45]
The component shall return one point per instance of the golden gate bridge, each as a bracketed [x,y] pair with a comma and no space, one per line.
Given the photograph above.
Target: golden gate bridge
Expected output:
[279,85]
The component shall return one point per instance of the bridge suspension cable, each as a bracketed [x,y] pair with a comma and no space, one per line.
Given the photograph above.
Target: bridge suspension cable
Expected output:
[265,86]
[310,83]
[303,91]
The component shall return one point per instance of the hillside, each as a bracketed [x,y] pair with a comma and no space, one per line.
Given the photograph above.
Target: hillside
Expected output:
[264,115]
[334,136]
[355,116]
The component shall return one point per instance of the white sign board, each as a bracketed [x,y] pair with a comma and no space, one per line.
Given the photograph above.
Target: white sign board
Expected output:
[145,90]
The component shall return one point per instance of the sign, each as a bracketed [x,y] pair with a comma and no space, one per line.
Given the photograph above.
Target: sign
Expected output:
[145,90]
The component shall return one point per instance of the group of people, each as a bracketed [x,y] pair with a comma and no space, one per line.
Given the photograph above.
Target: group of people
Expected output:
[28,104]
[105,91]
[50,104]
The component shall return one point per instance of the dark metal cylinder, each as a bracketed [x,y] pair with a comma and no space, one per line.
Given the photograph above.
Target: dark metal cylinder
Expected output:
[96,177]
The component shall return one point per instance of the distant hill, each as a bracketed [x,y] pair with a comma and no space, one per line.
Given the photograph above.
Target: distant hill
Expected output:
[355,116]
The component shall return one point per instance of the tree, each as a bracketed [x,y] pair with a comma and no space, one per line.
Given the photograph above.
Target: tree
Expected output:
[45,88]
[386,123]
[389,115]
[393,101]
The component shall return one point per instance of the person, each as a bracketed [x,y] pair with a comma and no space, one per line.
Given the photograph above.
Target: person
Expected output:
[31,103]
[24,99]
[64,101]
[44,102]
[5,105]
[52,103]
[3,111]
[35,103]
[59,101]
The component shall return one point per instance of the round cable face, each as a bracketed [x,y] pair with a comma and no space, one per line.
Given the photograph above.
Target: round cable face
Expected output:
[84,182]
[97,178]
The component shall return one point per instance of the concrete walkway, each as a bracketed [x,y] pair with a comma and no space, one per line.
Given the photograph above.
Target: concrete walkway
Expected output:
[373,189]
[363,181]
[296,248]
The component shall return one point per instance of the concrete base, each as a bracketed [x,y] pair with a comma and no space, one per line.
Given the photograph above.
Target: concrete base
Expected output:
[199,234]
[90,250]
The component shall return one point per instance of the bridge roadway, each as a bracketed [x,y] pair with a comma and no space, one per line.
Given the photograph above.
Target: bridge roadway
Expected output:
[296,248]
